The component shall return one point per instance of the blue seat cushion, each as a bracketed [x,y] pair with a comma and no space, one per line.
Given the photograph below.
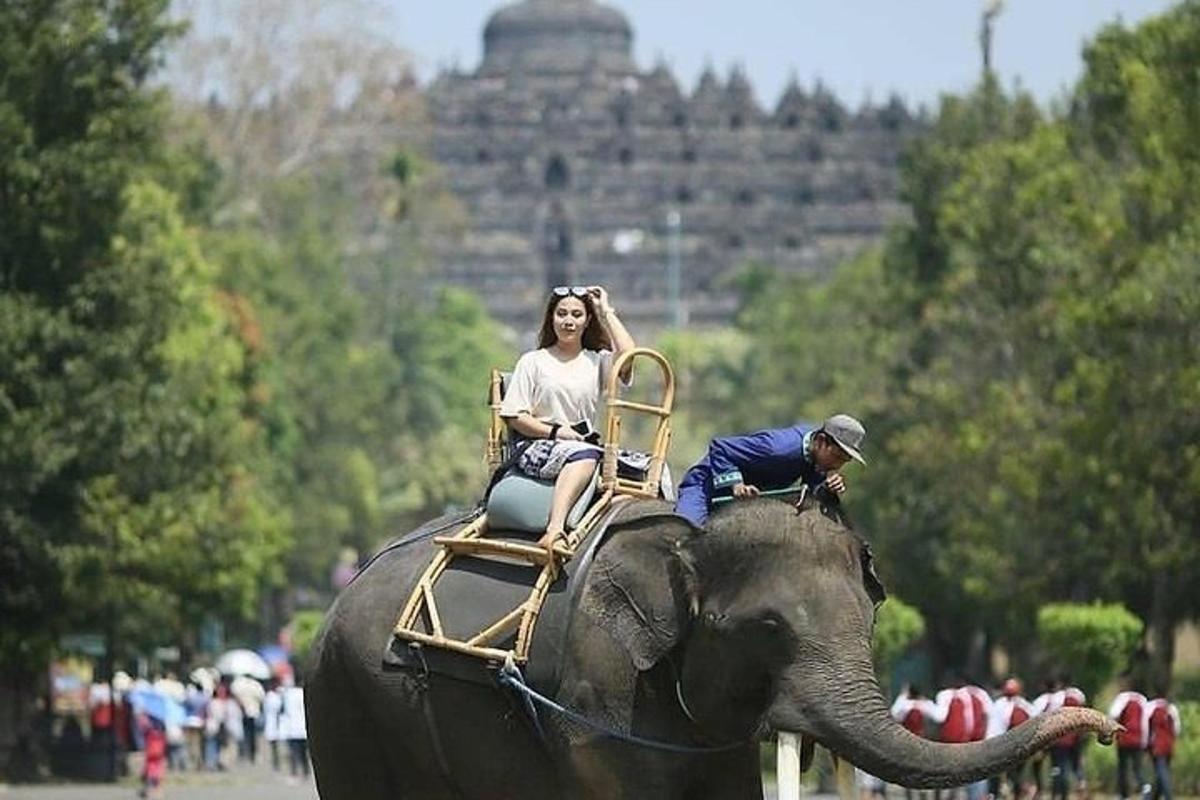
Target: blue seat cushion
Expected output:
[521,503]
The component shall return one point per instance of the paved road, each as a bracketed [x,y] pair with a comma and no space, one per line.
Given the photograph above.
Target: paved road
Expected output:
[245,783]
[242,783]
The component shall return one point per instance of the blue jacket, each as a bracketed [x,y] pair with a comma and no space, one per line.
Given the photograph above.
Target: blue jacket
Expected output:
[770,459]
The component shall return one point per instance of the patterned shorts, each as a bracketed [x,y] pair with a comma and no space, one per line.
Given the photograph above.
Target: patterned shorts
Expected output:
[545,458]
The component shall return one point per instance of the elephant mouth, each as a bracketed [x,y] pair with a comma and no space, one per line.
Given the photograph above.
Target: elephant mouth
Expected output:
[808,747]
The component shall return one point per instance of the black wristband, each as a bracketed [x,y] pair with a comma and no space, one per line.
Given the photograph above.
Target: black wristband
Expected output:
[554,426]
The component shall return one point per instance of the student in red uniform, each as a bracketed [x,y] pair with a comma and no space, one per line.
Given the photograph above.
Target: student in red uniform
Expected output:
[154,768]
[1162,725]
[1066,754]
[1129,709]
[981,711]
[910,710]
[955,710]
[1009,710]
[1041,704]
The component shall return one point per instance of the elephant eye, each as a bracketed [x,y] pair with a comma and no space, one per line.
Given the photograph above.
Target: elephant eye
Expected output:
[770,620]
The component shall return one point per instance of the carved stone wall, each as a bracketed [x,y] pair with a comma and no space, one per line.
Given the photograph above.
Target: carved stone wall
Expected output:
[569,159]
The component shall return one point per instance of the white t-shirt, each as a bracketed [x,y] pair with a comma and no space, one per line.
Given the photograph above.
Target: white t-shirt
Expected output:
[552,391]
[291,719]
[272,708]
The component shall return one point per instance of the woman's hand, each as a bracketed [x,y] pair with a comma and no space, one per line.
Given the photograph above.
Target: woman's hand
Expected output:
[600,297]
[744,490]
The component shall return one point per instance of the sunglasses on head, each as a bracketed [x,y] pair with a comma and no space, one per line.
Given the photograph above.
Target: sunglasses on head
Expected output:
[577,291]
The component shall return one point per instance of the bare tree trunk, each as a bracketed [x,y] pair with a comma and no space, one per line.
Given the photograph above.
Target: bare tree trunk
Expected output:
[1163,622]
[979,656]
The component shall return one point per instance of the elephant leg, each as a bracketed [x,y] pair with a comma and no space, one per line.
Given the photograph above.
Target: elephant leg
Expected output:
[349,762]
[603,770]
[728,776]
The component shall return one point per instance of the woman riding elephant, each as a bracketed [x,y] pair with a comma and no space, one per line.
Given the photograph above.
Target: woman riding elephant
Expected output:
[555,392]
[682,650]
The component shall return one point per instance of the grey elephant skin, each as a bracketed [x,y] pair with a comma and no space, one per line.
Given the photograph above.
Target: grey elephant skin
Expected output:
[760,623]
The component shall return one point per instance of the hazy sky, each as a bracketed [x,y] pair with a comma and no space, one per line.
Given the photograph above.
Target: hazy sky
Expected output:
[918,48]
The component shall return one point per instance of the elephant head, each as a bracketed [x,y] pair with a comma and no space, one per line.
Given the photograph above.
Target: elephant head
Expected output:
[766,617]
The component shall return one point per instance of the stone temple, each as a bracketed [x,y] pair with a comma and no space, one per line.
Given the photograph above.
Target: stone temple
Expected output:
[576,166]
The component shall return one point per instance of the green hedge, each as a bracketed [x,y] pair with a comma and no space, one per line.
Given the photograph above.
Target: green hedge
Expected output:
[897,626]
[1095,640]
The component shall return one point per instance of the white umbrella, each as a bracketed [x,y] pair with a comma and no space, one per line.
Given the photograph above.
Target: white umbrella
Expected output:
[203,677]
[243,662]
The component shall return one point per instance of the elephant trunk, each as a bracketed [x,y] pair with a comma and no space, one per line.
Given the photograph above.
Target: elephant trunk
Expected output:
[856,724]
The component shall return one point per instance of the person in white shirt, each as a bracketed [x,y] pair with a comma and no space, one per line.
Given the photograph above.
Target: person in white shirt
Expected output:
[1128,709]
[1046,701]
[1163,727]
[272,708]
[1009,710]
[555,390]
[250,694]
[1066,752]
[293,729]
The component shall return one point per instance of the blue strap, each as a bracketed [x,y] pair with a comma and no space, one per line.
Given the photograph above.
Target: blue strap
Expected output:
[511,675]
[507,678]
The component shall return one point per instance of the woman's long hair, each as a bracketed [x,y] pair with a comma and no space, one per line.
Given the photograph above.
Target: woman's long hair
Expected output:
[594,336]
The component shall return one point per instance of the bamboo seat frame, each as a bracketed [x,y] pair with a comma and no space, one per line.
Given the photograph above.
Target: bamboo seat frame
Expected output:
[421,609]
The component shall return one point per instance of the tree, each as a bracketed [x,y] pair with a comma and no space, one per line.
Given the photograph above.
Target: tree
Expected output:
[1024,353]
[128,489]
[283,87]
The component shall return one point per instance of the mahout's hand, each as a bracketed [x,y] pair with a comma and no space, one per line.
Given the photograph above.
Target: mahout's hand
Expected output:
[744,490]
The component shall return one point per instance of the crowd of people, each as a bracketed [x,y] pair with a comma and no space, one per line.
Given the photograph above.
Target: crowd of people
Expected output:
[209,723]
[966,713]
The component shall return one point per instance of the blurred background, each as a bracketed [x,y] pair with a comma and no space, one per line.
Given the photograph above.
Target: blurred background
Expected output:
[257,259]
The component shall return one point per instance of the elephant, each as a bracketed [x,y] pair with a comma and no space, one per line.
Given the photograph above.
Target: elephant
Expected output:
[708,639]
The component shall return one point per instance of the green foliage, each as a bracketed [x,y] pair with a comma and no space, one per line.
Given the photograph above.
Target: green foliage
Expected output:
[130,464]
[353,418]
[1187,686]
[128,452]
[1093,641]
[710,375]
[1185,766]
[76,126]
[1023,352]
[897,626]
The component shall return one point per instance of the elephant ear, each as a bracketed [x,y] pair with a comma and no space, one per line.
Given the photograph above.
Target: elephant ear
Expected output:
[641,590]
[871,581]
